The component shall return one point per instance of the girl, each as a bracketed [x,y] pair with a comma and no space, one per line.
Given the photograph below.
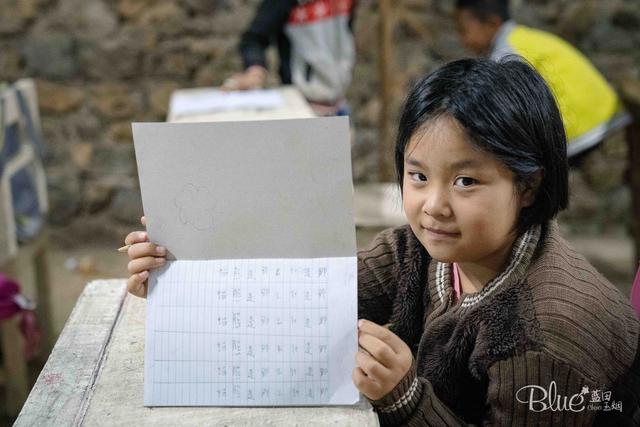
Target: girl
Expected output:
[494,319]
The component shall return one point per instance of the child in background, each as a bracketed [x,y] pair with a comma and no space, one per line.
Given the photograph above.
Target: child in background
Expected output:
[590,107]
[316,50]
[493,318]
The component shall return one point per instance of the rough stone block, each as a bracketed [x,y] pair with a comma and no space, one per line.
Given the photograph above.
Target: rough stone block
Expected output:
[208,75]
[81,155]
[166,17]
[126,206]
[58,98]
[120,132]
[10,63]
[15,14]
[115,100]
[159,96]
[113,58]
[51,55]
[98,196]
[133,8]
[64,196]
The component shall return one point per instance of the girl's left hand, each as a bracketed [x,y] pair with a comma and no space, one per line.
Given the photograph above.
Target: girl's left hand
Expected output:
[385,361]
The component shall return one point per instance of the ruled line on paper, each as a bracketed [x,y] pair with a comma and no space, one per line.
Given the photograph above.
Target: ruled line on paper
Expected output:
[251,332]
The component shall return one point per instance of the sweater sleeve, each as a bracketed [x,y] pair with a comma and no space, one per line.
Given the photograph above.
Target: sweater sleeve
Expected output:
[377,276]
[269,20]
[523,390]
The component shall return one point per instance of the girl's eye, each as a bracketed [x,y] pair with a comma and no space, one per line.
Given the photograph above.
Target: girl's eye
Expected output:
[464,181]
[415,176]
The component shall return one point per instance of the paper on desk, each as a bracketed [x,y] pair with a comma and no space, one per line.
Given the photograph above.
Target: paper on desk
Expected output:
[260,306]
[202,101]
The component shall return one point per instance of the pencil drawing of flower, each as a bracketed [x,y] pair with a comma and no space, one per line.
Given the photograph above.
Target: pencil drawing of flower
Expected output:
[195,206]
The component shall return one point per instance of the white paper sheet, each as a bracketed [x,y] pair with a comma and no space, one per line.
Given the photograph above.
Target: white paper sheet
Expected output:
[252,332]
[250,196]
[213,100]
[258,189]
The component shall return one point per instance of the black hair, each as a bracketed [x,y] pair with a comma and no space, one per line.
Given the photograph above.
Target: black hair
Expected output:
[483,9]
[507,110]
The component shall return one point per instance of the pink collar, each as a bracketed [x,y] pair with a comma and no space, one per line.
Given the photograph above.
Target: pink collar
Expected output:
[456,280]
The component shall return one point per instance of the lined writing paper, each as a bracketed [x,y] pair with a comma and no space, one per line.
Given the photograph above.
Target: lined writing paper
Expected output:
[251,332]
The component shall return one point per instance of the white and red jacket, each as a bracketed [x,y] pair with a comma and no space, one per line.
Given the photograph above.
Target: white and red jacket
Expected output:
[315,44]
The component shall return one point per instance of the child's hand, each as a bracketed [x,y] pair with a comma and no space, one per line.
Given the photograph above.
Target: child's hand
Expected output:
[253,77]
[384,362]
[143,256]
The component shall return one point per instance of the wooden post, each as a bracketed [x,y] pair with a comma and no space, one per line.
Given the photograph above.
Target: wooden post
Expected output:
[43,287]
[385,59]
[633,173]
[630,90]
[30,269]
[14,365]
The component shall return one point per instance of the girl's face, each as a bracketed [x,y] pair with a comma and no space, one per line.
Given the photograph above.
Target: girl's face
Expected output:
[461,202]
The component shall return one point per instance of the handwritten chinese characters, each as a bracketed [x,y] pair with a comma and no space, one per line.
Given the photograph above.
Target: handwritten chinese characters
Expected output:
[245,332]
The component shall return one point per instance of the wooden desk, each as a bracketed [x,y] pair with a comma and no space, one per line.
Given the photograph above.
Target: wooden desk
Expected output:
[94,376]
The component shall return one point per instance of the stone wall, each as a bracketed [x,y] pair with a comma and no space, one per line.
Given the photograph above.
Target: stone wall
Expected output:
[101,64]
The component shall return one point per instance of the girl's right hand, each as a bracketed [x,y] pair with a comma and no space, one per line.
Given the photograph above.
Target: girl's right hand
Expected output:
[143,256]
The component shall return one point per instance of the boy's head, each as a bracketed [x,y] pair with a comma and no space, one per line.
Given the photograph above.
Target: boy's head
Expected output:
[506,110]
[478,21]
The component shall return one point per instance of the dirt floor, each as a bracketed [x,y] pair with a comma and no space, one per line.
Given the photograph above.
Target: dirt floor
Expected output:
[71,268]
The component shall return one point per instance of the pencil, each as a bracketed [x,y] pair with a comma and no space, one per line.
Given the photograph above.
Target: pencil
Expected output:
[125,248]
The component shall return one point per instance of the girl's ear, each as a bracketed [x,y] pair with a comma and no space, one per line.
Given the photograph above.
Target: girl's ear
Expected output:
[528,196]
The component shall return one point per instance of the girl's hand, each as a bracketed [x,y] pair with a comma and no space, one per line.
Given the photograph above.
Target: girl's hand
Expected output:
[383,360]
[143,256]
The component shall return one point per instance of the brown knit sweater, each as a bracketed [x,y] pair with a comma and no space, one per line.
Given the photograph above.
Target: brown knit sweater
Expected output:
[549,320]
